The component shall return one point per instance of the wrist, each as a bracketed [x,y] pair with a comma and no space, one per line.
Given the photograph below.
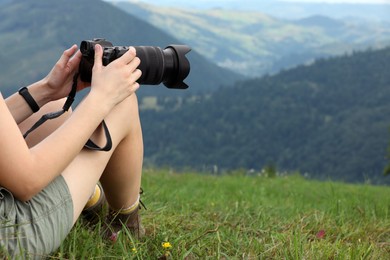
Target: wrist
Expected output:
[29,99]
[39,92]
[99,102]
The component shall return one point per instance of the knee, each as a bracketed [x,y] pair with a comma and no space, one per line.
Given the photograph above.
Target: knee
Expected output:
[127,111]
[124,118]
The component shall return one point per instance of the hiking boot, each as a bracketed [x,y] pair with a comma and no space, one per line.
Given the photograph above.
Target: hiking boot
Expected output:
[116,222]
[96,212]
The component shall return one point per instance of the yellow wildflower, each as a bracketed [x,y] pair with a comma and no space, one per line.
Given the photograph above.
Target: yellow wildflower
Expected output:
[166,245]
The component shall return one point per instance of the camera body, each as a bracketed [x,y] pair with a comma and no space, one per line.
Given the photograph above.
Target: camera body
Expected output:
[168,66]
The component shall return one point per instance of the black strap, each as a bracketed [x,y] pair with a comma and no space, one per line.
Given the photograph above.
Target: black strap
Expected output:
[29,99]
[53,115]
[90,145]
[43,119]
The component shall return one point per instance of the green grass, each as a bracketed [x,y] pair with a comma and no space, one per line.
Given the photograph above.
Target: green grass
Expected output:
[248,217]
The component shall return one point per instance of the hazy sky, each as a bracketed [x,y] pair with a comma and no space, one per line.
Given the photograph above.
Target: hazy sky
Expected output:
[343,1]
[308,1]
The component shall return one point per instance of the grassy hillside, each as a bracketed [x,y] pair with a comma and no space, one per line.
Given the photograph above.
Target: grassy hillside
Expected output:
[249,217]
[254,43]
[34,40]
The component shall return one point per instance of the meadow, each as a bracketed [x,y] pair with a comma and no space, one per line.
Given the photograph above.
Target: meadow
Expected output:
[237,216]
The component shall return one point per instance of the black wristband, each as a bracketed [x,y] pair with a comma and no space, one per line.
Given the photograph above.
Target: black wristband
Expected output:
[29,99]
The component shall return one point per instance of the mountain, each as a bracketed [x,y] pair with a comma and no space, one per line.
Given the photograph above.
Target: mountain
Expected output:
[326,120]
[320,21]
[33,35]
[286,9]
[255,43]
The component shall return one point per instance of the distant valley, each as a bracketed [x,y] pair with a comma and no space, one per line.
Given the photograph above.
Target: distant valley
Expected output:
[285,9]
[254,43]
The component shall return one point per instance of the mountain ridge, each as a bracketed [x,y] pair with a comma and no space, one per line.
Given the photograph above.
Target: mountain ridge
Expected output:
[34,41]
[255,43]
[287,9]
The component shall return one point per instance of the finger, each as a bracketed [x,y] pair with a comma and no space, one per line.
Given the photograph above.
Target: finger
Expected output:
[76,56]
[128,56]
[134,63]
[66,55]
[135,86]
[136,75]
[98,56]
[75,60]
[69,52]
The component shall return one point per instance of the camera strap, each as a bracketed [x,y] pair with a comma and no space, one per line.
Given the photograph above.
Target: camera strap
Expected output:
[69,101]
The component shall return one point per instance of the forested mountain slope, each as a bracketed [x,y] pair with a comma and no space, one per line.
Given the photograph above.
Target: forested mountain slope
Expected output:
[330,119]
[33,35]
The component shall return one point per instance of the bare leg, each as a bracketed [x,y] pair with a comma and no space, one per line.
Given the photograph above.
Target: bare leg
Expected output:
[122,166]
[121,178]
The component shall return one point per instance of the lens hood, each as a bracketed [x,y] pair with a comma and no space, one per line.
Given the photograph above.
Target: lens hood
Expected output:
[182,67]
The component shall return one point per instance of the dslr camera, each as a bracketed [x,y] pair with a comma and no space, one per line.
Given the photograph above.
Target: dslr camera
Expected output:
[168,66]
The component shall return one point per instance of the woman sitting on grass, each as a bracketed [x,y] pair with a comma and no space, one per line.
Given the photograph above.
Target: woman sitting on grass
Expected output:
[47,180]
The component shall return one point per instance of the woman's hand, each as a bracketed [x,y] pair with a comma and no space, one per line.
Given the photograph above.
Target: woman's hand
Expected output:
[60,79]
[117,80]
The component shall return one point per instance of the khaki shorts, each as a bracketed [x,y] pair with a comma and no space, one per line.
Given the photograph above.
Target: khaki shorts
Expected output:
[35,228]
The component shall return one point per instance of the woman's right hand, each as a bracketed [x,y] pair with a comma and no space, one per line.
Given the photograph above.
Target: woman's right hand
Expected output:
[116,81]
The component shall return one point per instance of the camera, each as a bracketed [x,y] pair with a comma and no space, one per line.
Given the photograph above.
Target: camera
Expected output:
[168,66]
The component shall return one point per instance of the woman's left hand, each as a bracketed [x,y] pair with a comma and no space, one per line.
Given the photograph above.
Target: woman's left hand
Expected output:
[60,79]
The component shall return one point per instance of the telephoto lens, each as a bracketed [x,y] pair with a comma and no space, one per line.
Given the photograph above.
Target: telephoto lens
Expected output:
[169,66]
